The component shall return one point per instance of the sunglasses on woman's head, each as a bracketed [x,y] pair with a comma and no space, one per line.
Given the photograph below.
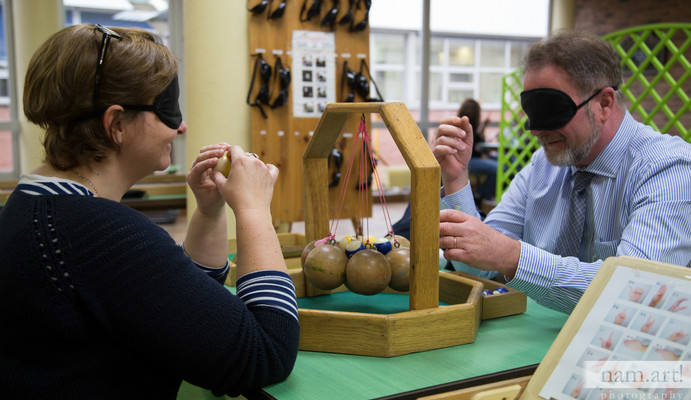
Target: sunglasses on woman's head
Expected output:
[107,34]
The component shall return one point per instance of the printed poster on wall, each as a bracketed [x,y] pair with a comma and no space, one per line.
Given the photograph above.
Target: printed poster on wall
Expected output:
[314,72]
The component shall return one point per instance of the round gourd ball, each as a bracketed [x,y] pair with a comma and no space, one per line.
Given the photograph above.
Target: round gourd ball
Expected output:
[399,259]
[400,239]
[368,272]
[325,266]
[311,245]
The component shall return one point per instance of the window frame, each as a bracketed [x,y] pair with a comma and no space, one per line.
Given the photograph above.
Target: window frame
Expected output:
[12,125]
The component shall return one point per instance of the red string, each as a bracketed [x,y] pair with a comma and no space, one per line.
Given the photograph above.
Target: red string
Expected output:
[362,142]
[344,186]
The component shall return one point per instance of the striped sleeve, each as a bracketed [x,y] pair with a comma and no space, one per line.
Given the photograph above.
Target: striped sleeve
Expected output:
[551,280]
[268,288]
[217,274]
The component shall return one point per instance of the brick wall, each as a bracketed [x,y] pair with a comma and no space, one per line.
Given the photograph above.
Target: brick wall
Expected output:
[606,16]
[603,17]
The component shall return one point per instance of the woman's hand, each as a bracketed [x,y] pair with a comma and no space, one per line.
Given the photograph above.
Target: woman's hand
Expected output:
[249,184]
[199,178]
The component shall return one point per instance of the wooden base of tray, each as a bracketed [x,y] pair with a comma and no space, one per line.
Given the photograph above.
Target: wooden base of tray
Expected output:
[388,335]
[500,304]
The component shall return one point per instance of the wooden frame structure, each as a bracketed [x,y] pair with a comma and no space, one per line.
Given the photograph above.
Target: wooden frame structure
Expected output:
[426,325]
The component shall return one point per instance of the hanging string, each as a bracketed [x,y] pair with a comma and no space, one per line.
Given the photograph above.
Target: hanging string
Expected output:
[382,199]
[342,194]
[362,142]
[363,192]
[366,149]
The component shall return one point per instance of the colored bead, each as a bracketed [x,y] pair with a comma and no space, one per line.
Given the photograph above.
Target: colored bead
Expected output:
[383,245]
[353,247]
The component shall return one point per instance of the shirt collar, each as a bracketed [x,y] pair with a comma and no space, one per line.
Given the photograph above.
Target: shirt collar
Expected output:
[602,164]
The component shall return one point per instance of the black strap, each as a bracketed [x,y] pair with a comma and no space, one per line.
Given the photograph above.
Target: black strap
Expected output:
[376,89]
[249,94]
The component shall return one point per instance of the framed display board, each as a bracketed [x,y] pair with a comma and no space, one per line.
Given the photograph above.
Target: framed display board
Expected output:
[628,336]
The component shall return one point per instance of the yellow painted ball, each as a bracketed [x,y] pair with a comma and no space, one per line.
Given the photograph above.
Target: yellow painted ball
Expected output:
[368,241]
[344,242]
[367,272]
[399,259]
[325,266]
[223,165]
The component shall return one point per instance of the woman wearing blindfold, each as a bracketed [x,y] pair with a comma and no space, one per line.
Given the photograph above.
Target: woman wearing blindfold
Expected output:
[601,185]
[96,301]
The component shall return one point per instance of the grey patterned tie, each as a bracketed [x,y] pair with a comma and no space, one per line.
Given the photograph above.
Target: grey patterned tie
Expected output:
[572,230]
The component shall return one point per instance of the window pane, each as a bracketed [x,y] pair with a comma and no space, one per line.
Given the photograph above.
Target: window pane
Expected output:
[460,78]
[388,49]
[458,95]
[490,88]
[518,50]
[5,115]
[435,86]
[461,52]
[491,54]
[436,51]
[6,162]
[390,84]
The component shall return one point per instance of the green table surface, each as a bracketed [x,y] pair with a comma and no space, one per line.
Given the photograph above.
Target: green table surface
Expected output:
[501,344]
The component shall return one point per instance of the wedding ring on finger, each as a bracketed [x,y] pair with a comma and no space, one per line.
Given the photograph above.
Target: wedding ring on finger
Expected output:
[454,242]
[253,155]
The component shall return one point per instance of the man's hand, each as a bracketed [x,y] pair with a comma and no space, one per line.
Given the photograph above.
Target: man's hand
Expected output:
[471,241]
[453,146]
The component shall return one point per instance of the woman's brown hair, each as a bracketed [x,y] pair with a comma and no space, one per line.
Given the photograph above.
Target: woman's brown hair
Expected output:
[60,81]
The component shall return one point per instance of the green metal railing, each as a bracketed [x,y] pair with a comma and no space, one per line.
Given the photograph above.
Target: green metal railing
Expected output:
[656,66]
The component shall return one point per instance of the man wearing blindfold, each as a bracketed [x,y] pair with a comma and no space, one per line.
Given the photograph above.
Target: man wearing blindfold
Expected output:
[602,184]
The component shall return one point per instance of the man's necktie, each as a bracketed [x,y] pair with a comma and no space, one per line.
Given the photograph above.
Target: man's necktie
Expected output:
[569,240]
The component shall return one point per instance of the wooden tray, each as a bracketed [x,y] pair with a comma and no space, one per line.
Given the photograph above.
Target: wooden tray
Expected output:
[388,335]
[498,305]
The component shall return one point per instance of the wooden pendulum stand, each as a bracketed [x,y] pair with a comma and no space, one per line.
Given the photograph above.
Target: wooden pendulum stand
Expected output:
[426,325]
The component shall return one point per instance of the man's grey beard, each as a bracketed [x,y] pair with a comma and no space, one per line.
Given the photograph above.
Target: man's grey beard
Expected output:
[572,155]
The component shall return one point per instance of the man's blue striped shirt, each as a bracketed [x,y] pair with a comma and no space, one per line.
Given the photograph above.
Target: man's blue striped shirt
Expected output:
[639,205]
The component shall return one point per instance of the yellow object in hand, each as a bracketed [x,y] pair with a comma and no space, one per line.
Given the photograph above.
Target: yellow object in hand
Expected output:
[223,165]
